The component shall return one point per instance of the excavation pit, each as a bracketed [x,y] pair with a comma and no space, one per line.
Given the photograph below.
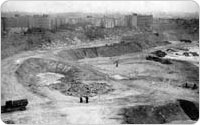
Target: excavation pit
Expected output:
[64,77]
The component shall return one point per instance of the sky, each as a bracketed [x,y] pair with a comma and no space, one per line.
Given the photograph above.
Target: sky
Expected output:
[100,6]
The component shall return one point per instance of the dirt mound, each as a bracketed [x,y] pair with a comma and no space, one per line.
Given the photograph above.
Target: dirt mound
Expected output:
[157,59]
[79,89]
[148,114]
[70,84]
[115,49]
[190,109]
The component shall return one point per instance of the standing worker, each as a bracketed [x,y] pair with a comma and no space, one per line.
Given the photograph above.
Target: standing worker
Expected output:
[116,63]
[85,91]
[87,94]
[81,99]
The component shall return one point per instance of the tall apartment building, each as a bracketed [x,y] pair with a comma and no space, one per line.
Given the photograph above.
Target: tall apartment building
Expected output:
[120,22]
[58,21]
[144,21]
[15,24]
[108,22]
[3,24]
[76,20]
[131,20]
[41,21]
[140,21]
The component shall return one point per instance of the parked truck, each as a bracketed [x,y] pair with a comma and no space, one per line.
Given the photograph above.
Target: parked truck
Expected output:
[16,105]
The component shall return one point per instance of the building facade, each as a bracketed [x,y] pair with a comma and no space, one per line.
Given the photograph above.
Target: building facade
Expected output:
[41,21]
[131,20]
[46,22]
[15,24]
[108,22]
[144,21]
[138,21]
[120,22]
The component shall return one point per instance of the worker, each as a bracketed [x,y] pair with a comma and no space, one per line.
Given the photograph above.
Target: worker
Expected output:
[86,99]
[85,93]
[81,99]
[116,62]
[186,85]
[194,86]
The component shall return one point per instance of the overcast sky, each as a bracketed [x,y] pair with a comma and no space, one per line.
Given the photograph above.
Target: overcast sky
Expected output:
[100,6]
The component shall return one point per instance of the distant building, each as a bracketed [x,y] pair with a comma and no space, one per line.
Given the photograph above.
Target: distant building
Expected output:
[144,21]
[3,24]
[15,24]
[58,21]
[140,21]
[11,22]
[18,22]
[75,20]
[119,22]
[41,21]
[108,22]
[94,21]
[97,22]
[131,20]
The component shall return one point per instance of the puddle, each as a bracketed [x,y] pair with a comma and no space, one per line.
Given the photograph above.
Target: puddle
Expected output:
[119,77]
[49,78]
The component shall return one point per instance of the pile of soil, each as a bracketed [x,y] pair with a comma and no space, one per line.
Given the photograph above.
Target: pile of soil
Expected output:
[115,49]
[80,89]
[159,53]
[149,114]
[158,59]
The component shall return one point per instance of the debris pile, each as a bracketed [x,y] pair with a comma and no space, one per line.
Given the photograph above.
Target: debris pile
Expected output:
[159,53]
[157,59]
[186,41]
[78,89]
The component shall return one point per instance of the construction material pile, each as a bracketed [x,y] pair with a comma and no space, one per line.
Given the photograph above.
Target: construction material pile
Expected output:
[79,89]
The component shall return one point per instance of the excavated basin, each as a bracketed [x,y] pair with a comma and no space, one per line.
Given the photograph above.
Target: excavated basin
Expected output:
[67,78]
[115,49]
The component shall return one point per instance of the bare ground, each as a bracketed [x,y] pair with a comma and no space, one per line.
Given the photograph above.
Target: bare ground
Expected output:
[142,83]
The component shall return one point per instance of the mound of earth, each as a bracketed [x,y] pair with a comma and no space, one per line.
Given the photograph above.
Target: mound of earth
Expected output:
[79,89]
[149,114]
[115,49]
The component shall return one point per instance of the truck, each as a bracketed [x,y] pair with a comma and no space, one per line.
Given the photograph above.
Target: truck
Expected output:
[14,105]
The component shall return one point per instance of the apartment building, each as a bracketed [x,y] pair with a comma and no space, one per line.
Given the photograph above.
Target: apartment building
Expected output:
[41,21]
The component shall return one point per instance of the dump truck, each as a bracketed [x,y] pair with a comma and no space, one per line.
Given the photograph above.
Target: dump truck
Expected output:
[16,105]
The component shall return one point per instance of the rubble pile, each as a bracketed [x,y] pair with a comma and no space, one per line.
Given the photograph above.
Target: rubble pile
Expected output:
[78,89]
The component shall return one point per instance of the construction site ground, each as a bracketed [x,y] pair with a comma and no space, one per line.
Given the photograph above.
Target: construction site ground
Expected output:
[135,82]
